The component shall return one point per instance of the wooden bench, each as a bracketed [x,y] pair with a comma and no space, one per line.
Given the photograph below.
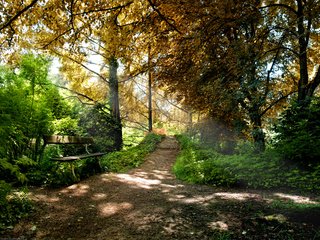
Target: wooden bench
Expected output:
[58,139]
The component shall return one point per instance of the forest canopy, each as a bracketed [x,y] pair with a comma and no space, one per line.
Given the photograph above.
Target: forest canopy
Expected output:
[238,65]
[239,77]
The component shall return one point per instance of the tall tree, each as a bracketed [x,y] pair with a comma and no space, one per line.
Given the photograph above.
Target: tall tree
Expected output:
[300,21]
[231,66]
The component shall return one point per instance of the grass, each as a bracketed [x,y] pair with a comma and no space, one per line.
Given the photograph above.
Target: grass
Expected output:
[267,170]
[132,157]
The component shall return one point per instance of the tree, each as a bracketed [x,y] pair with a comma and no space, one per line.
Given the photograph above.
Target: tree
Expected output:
[218,64]
[29,104]
[11,15]
[300,21]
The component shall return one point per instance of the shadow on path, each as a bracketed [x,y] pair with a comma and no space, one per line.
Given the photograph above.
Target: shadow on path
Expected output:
[149,203]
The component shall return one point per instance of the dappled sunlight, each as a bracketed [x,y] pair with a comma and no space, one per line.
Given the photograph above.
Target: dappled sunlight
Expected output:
[171,228]
[277,217]
[157,174]
[106,177]
[111,208]
[218,225]
[162,174]
[237,196]
[151,203]
[138,181]
[204,200]
[44,198]
[296,199]
[166,188]
[76,190]
[99,196]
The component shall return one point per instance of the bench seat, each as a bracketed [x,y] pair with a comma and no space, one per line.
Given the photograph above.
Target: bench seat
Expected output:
[73,158]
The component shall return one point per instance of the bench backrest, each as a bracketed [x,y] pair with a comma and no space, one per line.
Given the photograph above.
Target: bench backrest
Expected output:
[58,139]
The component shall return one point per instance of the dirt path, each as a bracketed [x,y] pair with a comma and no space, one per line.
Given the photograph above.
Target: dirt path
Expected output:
[149,203]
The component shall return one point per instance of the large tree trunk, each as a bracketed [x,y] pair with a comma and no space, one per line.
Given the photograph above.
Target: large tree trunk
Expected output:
[306,88]
[303,43]
[149,92]
[114,103]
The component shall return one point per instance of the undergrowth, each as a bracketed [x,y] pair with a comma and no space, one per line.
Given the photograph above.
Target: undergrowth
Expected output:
[124,160]
[266,170]
[14,205]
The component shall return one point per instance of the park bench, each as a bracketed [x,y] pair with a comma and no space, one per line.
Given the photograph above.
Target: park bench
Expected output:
[85,141]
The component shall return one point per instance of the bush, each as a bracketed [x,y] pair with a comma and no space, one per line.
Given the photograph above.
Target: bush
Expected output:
[266,170]
[298,133]
[126,159]
[13,205]
[200,165]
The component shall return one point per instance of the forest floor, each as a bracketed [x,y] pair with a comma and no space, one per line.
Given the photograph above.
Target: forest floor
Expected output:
[150,203]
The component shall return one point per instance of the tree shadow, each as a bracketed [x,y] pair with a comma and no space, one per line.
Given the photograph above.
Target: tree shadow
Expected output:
[149,203]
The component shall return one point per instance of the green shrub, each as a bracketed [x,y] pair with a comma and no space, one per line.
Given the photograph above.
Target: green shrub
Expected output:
[200,165]
[123,160]
[298,133]
[13,205]
[266,170]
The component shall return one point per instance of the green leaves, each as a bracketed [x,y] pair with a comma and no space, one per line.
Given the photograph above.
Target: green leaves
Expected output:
[298,133]
[266,170]
[13,205]
[126,159]
[28,105]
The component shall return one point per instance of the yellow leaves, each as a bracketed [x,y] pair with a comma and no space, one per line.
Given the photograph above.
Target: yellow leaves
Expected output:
[82,81]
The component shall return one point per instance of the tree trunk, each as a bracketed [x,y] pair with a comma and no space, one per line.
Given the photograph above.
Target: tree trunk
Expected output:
[257,132]
[303,81]
[149,93]
[114,103]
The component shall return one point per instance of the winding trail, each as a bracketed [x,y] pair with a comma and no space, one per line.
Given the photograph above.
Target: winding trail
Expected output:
[145,203]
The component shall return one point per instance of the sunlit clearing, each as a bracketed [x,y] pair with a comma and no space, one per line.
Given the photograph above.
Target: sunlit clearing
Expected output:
[76,189]
[237,196]
[109,209]
[140,182]
[218,225]
[296,199]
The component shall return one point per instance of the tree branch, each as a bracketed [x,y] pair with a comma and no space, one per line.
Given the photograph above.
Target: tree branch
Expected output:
[270,71]
[77,93]
[81,64]
[314,83]
[15,17]
[280,5]
[56,38]
[104,9]
[155,8]
[276,102]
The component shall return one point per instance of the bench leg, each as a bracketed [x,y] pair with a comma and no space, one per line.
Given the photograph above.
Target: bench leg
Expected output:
[72,171]
[98,164]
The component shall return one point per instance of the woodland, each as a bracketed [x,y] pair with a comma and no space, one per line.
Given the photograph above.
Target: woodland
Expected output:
[237,83]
